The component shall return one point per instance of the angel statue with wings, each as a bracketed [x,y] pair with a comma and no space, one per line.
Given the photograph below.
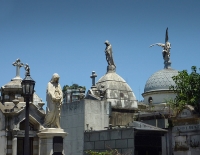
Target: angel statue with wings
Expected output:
[166,50]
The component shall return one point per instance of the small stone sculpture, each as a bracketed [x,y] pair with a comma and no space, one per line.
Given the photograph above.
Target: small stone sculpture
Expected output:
[108,52]
[166,50]
[54,97]
[27,68]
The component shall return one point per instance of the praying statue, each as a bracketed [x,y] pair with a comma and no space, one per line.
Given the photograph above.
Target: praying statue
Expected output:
[54,98]
[108,52]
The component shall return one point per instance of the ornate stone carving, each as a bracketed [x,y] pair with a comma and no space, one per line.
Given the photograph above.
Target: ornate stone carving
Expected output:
[166,50]
[54,99]
[102,92]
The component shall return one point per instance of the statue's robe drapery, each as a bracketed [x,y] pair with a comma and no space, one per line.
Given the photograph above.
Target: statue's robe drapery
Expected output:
[54,92]
[109,56]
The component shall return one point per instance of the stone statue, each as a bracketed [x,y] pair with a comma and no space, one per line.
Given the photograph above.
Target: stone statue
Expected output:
[166,50]
[108,52]
[54,97]
[27,68]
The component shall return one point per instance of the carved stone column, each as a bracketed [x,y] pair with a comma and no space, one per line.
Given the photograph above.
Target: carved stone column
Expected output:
[14,143]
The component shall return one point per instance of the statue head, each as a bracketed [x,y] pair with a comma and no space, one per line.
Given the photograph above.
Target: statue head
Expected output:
[55,78]
[107,43]
[167,45]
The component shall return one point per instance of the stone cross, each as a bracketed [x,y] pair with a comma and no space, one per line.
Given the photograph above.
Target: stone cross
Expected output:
[18,64]
[93,77]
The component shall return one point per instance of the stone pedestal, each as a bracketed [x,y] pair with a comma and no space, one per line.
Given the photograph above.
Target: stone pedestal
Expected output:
[47,143]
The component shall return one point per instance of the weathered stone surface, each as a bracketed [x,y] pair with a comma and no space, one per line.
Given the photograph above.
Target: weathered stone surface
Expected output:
[46,139]
[110,144]
[86,137]
[89,145]
[118,92]
[115,134]
[94,136]
[99,145]
[119,118]
[127,134]
[121,143]
[104,135]
[130,143]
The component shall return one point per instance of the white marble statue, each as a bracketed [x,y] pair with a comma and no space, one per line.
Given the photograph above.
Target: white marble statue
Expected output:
[54,98]
[166,49]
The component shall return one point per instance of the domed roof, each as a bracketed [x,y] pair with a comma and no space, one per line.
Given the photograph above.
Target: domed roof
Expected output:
[118,92]
[160,80]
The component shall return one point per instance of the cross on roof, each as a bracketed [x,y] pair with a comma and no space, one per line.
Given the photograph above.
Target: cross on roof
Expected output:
[93,77]
[18,64]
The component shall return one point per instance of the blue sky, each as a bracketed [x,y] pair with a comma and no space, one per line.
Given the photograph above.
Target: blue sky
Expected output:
[67,37]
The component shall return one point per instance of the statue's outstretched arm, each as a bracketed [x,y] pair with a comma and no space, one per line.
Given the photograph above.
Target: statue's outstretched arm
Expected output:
[158,44]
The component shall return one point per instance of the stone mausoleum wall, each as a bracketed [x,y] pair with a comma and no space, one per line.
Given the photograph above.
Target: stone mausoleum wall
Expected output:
[79,116]
[120,139]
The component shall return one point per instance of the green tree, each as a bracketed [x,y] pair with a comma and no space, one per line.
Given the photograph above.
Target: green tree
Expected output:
[65,87]
[187,89]
[73,86]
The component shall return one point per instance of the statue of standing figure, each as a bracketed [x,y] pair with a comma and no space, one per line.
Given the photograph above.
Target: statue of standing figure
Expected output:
[166,50]
[108,52]
[54,98]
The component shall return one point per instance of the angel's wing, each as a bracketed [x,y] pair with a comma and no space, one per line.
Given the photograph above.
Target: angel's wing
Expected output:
[166,35]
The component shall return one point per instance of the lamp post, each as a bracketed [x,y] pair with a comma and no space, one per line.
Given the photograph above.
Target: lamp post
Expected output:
[27,90]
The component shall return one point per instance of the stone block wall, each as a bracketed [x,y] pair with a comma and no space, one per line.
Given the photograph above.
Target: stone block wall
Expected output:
[72,121]
[96,115]
[79,116]
[120,139]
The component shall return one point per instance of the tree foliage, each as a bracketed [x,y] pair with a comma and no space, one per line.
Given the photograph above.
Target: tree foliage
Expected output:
[187,89]
[73,86]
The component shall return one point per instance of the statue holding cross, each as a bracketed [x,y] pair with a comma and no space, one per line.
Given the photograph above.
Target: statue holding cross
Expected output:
[18,64]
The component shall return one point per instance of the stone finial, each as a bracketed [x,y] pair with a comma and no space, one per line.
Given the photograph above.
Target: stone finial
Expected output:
[18,64]
[93,76]
[166,50]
